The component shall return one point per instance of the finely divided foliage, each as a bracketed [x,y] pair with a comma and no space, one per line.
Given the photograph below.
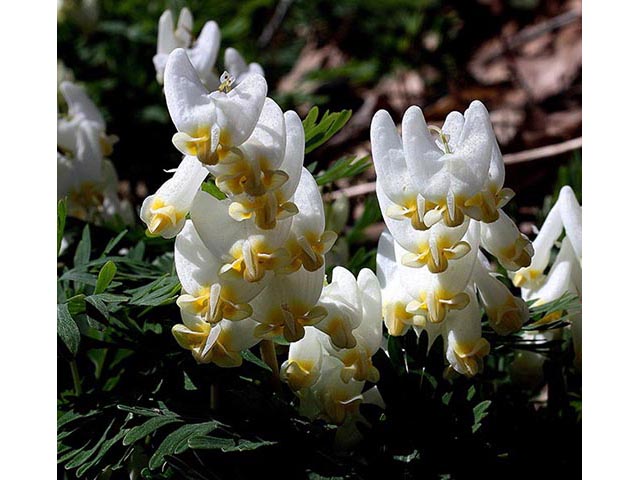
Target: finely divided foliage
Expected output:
[250,250]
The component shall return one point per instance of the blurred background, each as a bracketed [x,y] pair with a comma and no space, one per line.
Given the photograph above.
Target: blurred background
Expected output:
[522,58]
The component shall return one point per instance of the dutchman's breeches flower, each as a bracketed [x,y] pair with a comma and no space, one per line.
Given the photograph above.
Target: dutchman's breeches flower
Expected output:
[242,247]
[210,125]
[165,211]
[441,192]
[202,53]
[465,347]
[288,304]
[565,275]
[432,188]
[85,177]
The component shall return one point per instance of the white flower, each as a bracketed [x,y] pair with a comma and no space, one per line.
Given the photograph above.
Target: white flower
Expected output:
[565,215]
[261,175]
[435,294]
[309,242]
[304,363]
[503,240]
[165,211]
[337,402]
[210,124]
[242,247]
[220,344]
[85,177]
[342,300]
[83,127]
[358,364]
[395,297]
[202,53]
[435,179]
[288,304]
[206,295]
[565,275]
[235,64]
[506,313]
[465,347]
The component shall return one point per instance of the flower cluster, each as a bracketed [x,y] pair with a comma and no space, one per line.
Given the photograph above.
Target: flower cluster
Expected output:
[202,52]
[327,369]
[251,260]
[565,274]
[85,176]
[441,195]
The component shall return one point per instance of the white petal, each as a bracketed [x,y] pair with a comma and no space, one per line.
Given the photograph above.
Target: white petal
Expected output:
[166,39]
[180,190]
[422,153]
[195,264]
[310,216]
[204,52]
[388,159]
[234,63]
[215,227]
[80,105]
[294,153]
[238,334]
[370,330]
[239,110]
[190,107]
[571,214]
[268,140]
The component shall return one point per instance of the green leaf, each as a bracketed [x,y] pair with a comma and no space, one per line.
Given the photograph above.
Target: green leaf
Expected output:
[68,330]
[213,190]
[188,383]
[113,242]
[99,305]
[396,354]
[317,134]
[62,219]
[211,443]
[250,357]
[446,398]
[226,444]
[471,392]
[159,292]
[83,251]
[104,448]
[106,274]
[480,411]
[147,428]
[344,167]
[87,454]
[177,441]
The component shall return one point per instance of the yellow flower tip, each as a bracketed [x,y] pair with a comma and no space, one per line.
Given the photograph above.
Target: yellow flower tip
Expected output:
[396,318]
[187,338]
[509,317]
[340,335]
[517,254]
[236,312]
[266,331]
[162,217]
[197,146]
[469,355]
[297,374]
[239,212]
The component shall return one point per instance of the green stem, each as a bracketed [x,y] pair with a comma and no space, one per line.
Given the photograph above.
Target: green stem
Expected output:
[77,384]
[268,354]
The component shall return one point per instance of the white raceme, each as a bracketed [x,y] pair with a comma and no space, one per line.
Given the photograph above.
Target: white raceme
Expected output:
[565,274]
[441,193]
[86,178]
